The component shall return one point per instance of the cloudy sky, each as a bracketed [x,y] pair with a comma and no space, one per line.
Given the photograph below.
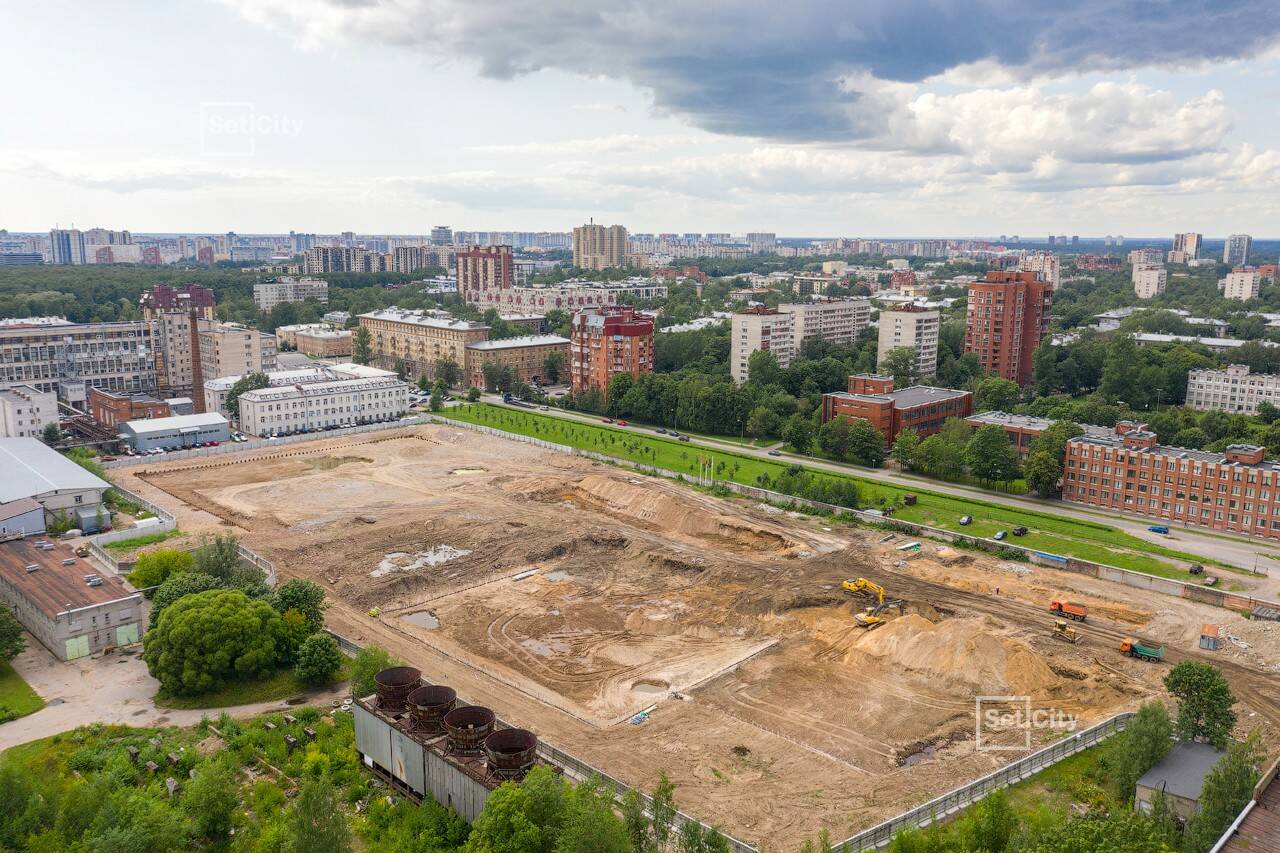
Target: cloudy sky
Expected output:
[813,118]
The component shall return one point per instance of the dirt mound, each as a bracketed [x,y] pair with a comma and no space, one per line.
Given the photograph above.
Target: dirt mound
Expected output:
[960,653]
[589,542]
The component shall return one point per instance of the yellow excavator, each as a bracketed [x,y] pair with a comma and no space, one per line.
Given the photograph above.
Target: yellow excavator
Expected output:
[871,618]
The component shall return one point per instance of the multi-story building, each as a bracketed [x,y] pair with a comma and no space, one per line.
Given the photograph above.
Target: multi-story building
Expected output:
[872,397]
[111,409]
[216,390]
[1127,471]
[318,340]
[26,411]
[910,326]
[337,318]
[525,356]
[347,401]
[1008,317]
[1047,264]
[192,298]
[1235,251]
[1233,390]
[66,246]
[838,321]
[418,341]
[483,268]
[231,349]
[761,242]
[760,328]
[70,358]
[1242,283]
[814,284]
[269,294]
[608,341]
[175,314]
[441,235]
[1188,244]
[598,247]
[1149,281]
[1146,257]
[570,295]
[1023,429]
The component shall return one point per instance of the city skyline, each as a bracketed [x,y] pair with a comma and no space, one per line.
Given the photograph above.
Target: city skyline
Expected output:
[392,117]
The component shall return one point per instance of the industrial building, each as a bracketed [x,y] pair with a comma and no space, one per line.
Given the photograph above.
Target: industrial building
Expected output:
[175,432]
[111,409]
[1179,777]
[51,354]
[63,601]
[922,408]
[25,411]
[21,517]
[34,470]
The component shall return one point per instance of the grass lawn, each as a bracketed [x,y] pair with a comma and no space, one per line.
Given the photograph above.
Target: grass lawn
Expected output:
[139,541]
[1072,537]
[15,694]
[280,685]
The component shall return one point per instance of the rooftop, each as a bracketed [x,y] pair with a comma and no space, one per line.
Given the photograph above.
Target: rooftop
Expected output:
[53,587]
[1222,343]
[514,343]
[329,386]
[907,398]
[32,468]
[149,426]
[21,506]
[1031,422]
[1110,439]
[417,318]
[1181,772]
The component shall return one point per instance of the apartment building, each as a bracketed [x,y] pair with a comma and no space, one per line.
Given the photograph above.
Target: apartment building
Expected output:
[922,408]
[111,409]
[1008,317]
[324,342]
[231,349]
[1235,251]
[814,284]
[483,268]
[66,247]
[838,321]
[607,341]
[411,259]
[760,328]
[1127,471]
[910,326]
[1242,283]
[1235,390]
[570,295]
[1146,257]
[25,411]
[348,399]
[1186,247]
[51,354]
[175,314]
[1149,281]
[419,341]
[1046,264]
[598,247]
[269,294]
[526,357]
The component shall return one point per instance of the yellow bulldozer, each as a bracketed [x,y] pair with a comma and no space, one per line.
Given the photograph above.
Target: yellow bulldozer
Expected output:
[1063,631]
[871,618]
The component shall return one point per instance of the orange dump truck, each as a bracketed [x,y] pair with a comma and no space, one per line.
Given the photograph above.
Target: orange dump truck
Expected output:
[1069,609]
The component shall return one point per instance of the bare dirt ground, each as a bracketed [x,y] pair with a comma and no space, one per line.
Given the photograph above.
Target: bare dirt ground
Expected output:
[570,595]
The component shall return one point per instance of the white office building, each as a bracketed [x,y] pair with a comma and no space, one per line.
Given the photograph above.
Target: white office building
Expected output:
[269,294]
[1234,390]
[337,402]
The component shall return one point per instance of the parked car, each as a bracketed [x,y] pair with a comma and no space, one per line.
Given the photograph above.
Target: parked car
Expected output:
[1159,528]
[606,420]
[774,453]
[1000,535]
[674,433]
[660,431]
[542,408]
[966,520]
[684,438]
[621,422]
[1196,569]
[1210,581]
[1019,531]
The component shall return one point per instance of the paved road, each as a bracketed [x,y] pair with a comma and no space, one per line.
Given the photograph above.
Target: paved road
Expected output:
[1231,549]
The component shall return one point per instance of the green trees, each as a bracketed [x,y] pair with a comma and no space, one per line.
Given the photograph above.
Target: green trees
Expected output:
[177,586]
[834,437]
[552,367]
[995,393]
[210,799]
[866,444]
[361,345]
[523,818]
[448,372]
[1227,789]
[473,394]
[905,448]
[219,556]
[316,823]
[11,640]
[1143,743]
[990,457]
[763,369]
[155,567]
[1097,832]
[51,434]
[799,432]
[202,640]
[901,364]
[761,422]
[1043,474]
[248,382]
[303,596]
[1204,702]
[368,662]
[318,660]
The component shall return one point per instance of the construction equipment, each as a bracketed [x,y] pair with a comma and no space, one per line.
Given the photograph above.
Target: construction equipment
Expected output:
[1062,631]
[871,618]
[1069,609]
[1137,649]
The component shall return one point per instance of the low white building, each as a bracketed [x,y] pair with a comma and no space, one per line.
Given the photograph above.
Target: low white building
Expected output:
[336,402]
[176,432]
[31,469]
[25,411]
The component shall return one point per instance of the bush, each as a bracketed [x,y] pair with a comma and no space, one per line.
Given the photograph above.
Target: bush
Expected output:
[319,660]
[368,662]
[176,587]
[202,640]
[303,596]
[155,567]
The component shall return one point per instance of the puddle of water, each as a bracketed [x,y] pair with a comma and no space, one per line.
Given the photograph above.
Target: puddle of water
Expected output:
[423,619]
[464,471]
[650,687]
[401,561]
[919,755]
[545,648]
[558,575]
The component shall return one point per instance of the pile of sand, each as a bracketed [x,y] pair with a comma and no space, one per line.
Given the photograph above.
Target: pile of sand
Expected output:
[959,653]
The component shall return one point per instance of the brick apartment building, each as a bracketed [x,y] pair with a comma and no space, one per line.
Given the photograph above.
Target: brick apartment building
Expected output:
[1008,316]
[526,356]
[483,268]
[607,341]
[922,408]
[1128,471]
[110,409]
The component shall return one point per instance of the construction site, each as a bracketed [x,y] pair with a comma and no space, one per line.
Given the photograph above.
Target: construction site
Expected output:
[646,626]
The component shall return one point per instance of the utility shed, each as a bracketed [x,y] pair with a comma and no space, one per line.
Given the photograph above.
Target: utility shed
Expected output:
[20,517]
[1180,775]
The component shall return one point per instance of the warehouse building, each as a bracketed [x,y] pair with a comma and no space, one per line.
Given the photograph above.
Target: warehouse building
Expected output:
[62,600]
[31,469]
[21,517]
[175,433]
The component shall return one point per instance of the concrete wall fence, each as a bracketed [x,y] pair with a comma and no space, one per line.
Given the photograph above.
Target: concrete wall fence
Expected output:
[1127,577]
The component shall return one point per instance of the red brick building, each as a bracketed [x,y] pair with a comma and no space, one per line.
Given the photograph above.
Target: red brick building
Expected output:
[111,409]
[1023,429]
[483,268]
[922,408]
[1008,317]
[606,341]
[1127,471]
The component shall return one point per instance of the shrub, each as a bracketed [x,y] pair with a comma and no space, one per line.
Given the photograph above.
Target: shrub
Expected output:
[176,587]
[155,567]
